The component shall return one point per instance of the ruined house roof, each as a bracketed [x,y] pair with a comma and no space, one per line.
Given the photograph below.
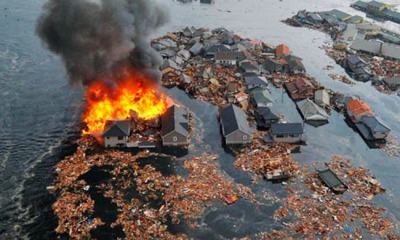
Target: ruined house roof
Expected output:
[117,128]
[233,118]
[374,124]
[358,107]
[282,50]
[227,56]
[175,119]
[312,111]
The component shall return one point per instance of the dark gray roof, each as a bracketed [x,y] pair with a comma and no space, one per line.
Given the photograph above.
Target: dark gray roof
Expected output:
[169,63]
[330,178]
[175,119]
[217,48]
[287,128]
[376,4]
[365,132]
[294,63]
[354,59]
[196,49]
[226,56]
[233,119]
[360,4]
[374,124]
[248,66]
[118,128]
[393,81]
[267,113]
[271,65]
[338,14]
[256,81]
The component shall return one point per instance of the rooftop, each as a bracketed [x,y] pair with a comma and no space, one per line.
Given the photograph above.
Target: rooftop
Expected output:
[233,118]
[117,128]
[287,128]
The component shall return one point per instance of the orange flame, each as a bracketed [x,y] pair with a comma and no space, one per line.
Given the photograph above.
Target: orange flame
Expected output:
[133,92]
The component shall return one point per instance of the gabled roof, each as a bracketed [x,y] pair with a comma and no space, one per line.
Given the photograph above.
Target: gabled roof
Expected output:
[217,48]
[376,4]
[358,107]
[196,48]
[374,124]
[282,49]
[287,128]
[354,59]
[261,95]
[226,56]
[312,111]
[248,66]
[267,113]
[169,63]
[175,119]
[233,118]
[271,65]
[256,81]
[117,128]
[342,16]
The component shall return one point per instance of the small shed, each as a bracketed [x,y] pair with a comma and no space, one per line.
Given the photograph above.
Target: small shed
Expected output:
[235,127]
[322,98]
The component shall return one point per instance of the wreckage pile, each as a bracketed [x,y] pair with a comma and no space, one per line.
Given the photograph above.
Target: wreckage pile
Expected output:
[146,199]
[324,214]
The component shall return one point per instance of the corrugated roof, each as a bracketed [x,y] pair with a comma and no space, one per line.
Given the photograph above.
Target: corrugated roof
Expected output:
[233,118]
[287,128]
[175,119]
[117,128]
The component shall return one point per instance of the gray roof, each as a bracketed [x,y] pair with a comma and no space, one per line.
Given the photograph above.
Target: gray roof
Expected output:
[261,95]
[338,14]
[391,14]
[354,19]
[175,119]
[196,48]
[330,178]
[376,4]
[248,66]
[271,65]
[374,124]
[392,81]
[256,81]
[287,128]
[294,63]
[354,59]
[169,63]
[233,118]
[117,128]
[360,4]
[312,111]
[217,48]
[367,46]
[267,113]
[322,96]
[226,56]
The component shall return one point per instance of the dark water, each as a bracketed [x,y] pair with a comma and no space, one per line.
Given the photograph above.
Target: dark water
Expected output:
[39,111]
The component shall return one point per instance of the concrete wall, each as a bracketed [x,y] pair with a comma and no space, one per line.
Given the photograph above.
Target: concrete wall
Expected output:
[238,137]
[114,142]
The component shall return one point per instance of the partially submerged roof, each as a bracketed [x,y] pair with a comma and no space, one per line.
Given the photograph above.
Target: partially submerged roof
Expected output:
[117,128]
[374,124]
[392,81]
[287,128]
[258,81]
[233,118]
[354,59]
[322,96]
[175,119]
[357,106]
[312,111]
[267,113]
[261,95]
[332,180]
[342,16]
[282,50]
[376,4]
[169,63]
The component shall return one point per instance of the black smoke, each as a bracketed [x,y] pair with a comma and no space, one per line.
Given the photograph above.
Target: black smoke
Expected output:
[95,37]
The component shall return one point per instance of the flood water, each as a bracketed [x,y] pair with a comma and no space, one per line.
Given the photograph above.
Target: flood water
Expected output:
[39,111]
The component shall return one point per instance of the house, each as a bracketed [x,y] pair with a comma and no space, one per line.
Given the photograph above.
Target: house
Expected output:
[261,97]
[356,109]
[170,66]
[294,64]
[311,111]
[322,98]
[196,49]
[393,83]
[376,7]
[175,127]
[355,20]
[358,67]
[287,132]
[211,50]
[360,5]
[253,82]
[265,116]
[332,181]
[235,128]
[337,14]
[391,15]
[270,66]
[371,128]
[282,50]
[226,58]
[116,133]
[249,67]
[300,89]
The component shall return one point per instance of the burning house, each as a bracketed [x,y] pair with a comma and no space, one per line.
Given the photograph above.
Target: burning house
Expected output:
[116,133]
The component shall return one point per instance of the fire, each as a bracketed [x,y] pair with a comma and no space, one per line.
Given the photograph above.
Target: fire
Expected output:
[133,92]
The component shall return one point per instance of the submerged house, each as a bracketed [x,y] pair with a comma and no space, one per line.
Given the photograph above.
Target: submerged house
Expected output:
[235,127]
[300,89]
[287,132]
[265,117]
[261,97]
[271,66]
[175,127]
[332,181]
[116,133]
[311,111]
[371,128]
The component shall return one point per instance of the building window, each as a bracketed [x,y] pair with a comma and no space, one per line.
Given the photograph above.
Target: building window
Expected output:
[245,137]
[174,139]
[120,138]
[293,135]
[280,136]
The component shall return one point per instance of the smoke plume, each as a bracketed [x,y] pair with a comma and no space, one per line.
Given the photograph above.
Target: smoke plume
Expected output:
[95,37]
